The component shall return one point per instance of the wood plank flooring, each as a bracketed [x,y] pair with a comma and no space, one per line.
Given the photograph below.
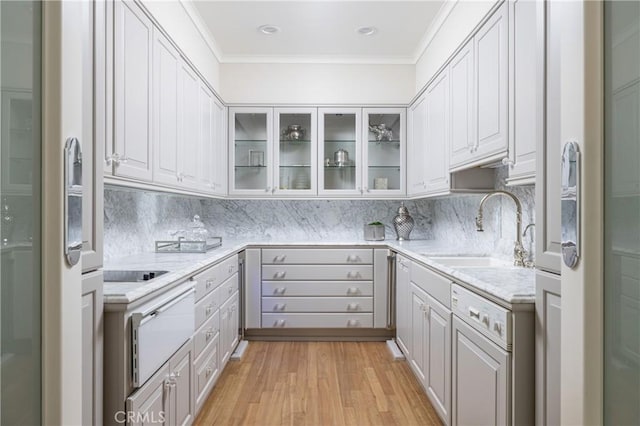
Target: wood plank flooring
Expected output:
[317,383]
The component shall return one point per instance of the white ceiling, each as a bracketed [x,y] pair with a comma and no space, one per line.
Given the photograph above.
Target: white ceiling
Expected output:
[323,31]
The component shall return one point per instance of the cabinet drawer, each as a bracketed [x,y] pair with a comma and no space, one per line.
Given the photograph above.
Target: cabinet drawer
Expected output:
[206,307]
[317,256]
[205,282]
[227,268]
[206,370]
[317,272]
[435,284]
[227,289]
[317,304]
[317,288]
[207,333]
[315,320]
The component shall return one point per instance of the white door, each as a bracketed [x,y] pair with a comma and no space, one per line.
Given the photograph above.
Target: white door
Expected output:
[437,139]
[165,110]
[206,134]
[417,147]
[462,101]
[188,130]
[219,150]
[403,329]
[132,90]
[418,330]
[492,85]
[438,347]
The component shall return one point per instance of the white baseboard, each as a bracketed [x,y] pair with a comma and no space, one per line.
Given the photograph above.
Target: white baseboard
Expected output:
[394,349]
[240,349]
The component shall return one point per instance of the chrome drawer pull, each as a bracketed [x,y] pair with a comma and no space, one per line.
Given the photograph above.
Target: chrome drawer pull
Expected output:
[353,307]
[279,290]
[279,323]
[352,274]
[474,313]
[352,290]
[353,323]
[280,307]
[279,275]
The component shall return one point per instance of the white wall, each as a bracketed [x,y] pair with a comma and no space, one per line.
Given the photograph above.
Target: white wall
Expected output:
[175,20]
[461,21]
[317,83]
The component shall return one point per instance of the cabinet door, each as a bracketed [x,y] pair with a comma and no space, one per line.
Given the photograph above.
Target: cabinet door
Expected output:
[340,146]
[418,331]
[492,84]
[165,110]
[207,161]
[549,151]
[188,134]
[548,341]
[416,147]
[526,61]
[461,103]
[437,137]
[438,355]
[383,151]
[226,335]
[182,398]
[132,90]
[480,379]
[92,340]
[296,153]
[150,404]
[234,323]
[250,151]
[403,330]
[219,151]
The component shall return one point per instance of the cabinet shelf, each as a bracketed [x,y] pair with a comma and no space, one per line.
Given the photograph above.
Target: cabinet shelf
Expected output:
[340,141]
[339,167]
[296,166]
[384,167]
[251,141]
[294,142]
[250,167]
[394,141]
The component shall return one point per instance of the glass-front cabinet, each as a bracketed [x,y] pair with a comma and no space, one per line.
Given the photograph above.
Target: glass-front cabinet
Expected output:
[340,150]
[295,152]
[250,138]
[383,153]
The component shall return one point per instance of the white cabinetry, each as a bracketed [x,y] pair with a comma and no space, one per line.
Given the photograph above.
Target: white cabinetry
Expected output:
[481,378]
[417,147]
[167,397]
[403,328]
[228,327]
[419,306]
[92,343]
[461,90]
[437,136]
[526,85]
[188,126]
[219,162]
[132,91]
[548,341]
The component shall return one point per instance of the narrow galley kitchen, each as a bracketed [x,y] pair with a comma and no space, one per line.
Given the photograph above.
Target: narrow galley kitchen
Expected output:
[365,212]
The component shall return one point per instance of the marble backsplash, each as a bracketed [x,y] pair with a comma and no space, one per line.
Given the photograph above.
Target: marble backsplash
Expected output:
[134,219]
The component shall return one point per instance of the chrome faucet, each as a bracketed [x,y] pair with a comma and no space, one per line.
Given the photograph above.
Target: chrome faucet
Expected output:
[519,253]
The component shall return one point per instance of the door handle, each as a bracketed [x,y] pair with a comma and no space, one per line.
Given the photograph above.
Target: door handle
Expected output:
[73,200]
[570,204]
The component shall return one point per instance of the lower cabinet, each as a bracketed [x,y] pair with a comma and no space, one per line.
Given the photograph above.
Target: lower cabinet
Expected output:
[228,328]
[418,331]
[480,376]
[548,340]
[92,344]
[403,329]
[167,397]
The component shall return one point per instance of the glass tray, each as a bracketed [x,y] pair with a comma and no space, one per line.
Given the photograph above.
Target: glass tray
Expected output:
[185,246]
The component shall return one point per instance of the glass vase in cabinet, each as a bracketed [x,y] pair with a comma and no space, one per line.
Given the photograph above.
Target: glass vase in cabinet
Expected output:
[295,155]
[383,153]
[340,151]
[250,142]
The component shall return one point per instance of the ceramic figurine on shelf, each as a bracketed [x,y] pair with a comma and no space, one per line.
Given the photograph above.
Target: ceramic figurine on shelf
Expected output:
[403,223]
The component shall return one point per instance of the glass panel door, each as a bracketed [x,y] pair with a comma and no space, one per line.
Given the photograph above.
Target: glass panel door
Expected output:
[383,150]
[296,159]
[340,152]
[622,213]
[20,147]
[251,147]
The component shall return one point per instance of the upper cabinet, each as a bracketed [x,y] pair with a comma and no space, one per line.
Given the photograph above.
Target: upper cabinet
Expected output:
[250,151]
[383,153]
[295,151]
[437,136]
[133,36]
[340,135]
[526,85]
[416,147]
[479,95]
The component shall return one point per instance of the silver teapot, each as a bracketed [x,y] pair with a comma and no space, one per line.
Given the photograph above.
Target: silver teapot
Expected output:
[294,132]
[341,157]
[381,132]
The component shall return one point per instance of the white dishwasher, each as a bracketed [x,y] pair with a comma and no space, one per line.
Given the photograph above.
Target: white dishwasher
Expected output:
[481,360]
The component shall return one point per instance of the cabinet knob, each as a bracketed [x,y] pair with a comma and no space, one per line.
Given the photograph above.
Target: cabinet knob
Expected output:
[280,307]
[353,323]
[353,307]
[280,290]
[352,290]
[506,161]
[280,275]
[279,323]
[352,274]
[209,284]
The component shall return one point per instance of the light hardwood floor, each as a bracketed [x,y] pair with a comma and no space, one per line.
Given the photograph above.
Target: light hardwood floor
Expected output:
[317,383]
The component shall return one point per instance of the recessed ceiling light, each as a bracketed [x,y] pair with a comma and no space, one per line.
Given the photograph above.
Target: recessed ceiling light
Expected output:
[268,29]
[367,31]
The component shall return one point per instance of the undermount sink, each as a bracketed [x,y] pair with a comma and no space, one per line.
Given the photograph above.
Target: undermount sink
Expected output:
[131,276]
[470,261]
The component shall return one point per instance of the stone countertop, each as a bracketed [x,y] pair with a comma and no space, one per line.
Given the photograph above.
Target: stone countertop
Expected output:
[506,285]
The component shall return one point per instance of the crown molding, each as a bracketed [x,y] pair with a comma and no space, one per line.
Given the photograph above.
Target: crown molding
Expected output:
[202,28]
[317,59]
[440,18]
